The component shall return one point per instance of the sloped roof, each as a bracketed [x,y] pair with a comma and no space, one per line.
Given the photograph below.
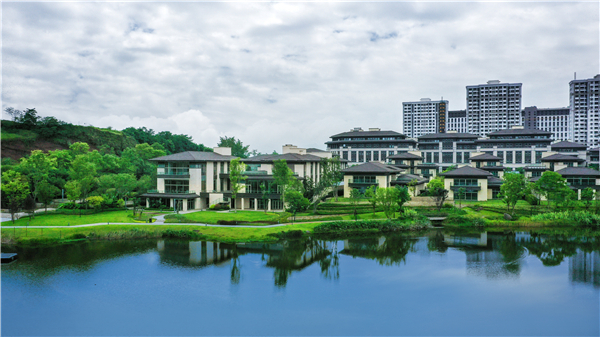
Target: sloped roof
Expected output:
[368,134]
[568,145]
[405,156]
[510,132]
[312,149]
[578,171]
[494,181]
[288,157]
[406,178]
[372,167]
[486,157]
[448,135]
[194,156]
[466,172]
[562,157]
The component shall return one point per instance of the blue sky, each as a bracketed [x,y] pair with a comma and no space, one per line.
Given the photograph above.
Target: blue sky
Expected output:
[283,73]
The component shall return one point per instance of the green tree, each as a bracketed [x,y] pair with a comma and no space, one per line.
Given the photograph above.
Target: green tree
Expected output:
[46,193]
[236,177]
[137,159]
[513,188]
[371,195]
[549,184]
[387,199]
[29,206]
[37,168]
[587,195]
[436,190]
[402,197]
[331,176]
[117,185]
[237,147]
[295,202]
[84,172]
[282,175]
[566,197]
[264,190]
[412,186]
[15,190]
[355,197]
[461,193]
[95,202]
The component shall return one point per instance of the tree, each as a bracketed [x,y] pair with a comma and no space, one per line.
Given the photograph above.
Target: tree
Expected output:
[355,196]
[37,168]
[513,189]
[402,197]
[282,175]
[95,202]
[461,193]
[15,190]
[587,195]
[436,190]
[29,206]
[29,119]
[412,186]
[549,184]
[387,198]
[331,175]
[371,195]
[118,185]
[264,194]
[84,172]
[566,197]
[237,147]
[236,169]
[73,190]
[14,113]
[46,193]
[295,202]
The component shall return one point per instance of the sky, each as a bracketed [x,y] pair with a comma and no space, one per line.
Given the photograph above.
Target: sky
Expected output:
[271,73]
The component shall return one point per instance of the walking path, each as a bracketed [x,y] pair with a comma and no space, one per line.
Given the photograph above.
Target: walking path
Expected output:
[160,221]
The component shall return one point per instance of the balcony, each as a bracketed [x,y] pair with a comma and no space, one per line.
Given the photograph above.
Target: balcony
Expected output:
[467,187]
[171,192]
[173,174]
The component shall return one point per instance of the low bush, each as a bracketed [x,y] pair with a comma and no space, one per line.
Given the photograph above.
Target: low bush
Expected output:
[69,205]
[382,226]
[581,218]
[219,207]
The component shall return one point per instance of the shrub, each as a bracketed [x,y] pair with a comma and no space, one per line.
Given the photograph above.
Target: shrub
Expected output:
[77,236]
[69,205]
[383,226]
[581,218]
[219,207]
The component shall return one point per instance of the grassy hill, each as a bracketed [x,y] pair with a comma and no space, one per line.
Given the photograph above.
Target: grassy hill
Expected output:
[19,140]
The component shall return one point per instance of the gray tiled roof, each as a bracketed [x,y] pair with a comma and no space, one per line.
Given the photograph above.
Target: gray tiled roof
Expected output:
[288,157]
[494,181]
[194,156]
[368,134]
[312,149]
[568,145]
[406,178]
[405,156]
[372,167]
[449,135]
[562,157]
[466,172]
[519,132]
[578,171]
[485,157]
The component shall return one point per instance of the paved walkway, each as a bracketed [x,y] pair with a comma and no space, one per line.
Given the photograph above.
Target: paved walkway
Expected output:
[160,221]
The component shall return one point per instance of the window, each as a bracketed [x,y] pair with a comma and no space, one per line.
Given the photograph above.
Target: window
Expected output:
[436,157]
[368,155]
[467,155]
[447,157]
[177,186]
[509,157]
[364,180]
[353,156]
[518,157]
[536,173]
[538,157]
[383,155]
[527,157]
[465,182]
[345,155]
[191,204]
[376,155]
[361,156]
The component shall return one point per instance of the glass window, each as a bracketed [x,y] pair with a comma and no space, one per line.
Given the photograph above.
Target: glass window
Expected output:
[509,157]
[436,157]
[368,155]
[177,186]
[345,155]
[518,157]
[383,155]
[538,157]
[447,157]
[376,155]
[361,156]
[528,157]
[353,156]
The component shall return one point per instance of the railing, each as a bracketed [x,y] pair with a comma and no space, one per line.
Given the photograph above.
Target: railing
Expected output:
[224,200]
[255,172]
[465,185]
[361,181]
[171,192]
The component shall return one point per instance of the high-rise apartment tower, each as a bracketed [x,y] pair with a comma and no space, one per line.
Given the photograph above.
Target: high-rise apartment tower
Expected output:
[493,106]
[584,110]
[424,117]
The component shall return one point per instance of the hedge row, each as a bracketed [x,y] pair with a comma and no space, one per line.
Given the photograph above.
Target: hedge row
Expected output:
[380,225]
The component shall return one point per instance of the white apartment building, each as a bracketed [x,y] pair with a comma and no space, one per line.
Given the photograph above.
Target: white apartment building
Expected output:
[584,110]
[555,120]
[457,121]
[493,106]
[424,117]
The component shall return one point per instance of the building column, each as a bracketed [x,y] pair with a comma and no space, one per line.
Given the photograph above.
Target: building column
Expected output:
[242,201]
[256,204]
[269,205]
[147,202]
[184,205]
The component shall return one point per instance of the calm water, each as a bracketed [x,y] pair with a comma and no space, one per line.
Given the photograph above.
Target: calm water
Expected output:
[440,283]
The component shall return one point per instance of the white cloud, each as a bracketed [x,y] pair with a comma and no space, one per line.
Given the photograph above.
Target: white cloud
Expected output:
[275,73]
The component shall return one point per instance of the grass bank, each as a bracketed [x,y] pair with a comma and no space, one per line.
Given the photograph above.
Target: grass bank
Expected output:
[61,219]
[230,218]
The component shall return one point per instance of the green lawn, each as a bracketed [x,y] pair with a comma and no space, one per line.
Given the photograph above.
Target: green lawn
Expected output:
[53,219]
[212,217]
[222,234]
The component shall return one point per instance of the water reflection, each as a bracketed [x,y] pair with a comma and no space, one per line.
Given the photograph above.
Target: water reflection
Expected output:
[487,254]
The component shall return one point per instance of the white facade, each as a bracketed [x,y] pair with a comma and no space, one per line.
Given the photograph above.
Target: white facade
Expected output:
[424,117]
[493,106]
[457,121]
[584,110]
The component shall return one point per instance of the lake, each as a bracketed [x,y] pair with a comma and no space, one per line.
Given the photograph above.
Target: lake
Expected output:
[433,283]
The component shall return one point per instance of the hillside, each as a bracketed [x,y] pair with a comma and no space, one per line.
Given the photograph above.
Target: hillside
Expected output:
[19,140]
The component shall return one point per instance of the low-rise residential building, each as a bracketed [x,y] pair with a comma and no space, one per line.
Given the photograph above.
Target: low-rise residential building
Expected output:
[358,146]
[570,148]
[447,149]
[408,161]
[363,176]
[411,181]
[473,180]
[191,179]
[556,161]
[580,178]
[488,162]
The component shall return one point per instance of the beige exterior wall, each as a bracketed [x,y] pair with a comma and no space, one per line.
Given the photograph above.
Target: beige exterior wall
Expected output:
[482,194]
[195,179]
[382,182]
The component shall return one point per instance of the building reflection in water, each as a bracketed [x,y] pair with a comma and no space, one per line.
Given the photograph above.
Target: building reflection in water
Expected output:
[584,267]
[194,253]
[387,251]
